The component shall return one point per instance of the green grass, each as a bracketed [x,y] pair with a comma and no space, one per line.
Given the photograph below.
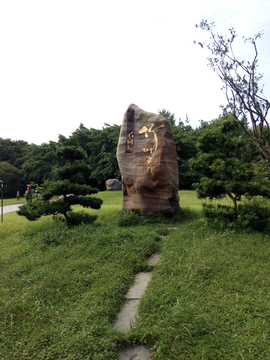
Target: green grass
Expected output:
[61,287]
[14,201]
[209,298]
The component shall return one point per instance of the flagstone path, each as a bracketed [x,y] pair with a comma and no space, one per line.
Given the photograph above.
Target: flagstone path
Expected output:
[127,316]
[10,208]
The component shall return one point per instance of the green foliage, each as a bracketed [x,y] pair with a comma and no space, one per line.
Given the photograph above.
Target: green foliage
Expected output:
[78,173]
[12,178]
[100,147]
[95,156]
[262,168]
[39,162]
[253,215]
[132,218]
[77,218]
[67,188]
[13,152]
[169,116]
[70,153]
[185,138]
[32,192]
[218,215]
[225,159]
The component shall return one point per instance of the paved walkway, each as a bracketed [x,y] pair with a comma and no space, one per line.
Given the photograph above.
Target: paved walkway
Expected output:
[10,208]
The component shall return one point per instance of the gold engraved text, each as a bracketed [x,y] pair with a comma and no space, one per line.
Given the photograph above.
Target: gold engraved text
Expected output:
[130,143]
[145,130]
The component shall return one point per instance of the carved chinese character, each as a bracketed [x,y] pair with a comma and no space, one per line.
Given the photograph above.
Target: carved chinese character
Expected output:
[129,149]
[145,130]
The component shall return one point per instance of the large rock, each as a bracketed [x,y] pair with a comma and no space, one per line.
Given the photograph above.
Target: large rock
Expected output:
[147,160]
[113,184]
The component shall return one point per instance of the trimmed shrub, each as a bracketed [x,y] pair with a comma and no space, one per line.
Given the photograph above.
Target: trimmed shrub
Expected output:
[252,215]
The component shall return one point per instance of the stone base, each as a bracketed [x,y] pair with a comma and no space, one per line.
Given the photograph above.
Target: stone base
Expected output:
[149,205]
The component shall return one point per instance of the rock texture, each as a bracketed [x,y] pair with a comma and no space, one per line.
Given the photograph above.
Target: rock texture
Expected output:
[147,160]
[113,184]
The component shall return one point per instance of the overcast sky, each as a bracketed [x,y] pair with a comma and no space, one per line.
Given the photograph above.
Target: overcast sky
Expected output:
[65,62]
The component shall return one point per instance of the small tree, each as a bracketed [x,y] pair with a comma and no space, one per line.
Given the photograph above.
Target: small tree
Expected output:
[168,115]
[12,178]
[70,188]
[241,82]
[225,158]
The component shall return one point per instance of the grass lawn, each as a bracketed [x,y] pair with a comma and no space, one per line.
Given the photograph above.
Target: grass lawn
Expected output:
[62,287]
[14,201]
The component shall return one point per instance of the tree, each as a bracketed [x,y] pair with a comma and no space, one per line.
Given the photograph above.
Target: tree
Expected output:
[185,138]
[241,82]
[13,152]
[225,158]
[168,115]
[12,178]
[71,188]
[38,162]
[100,146]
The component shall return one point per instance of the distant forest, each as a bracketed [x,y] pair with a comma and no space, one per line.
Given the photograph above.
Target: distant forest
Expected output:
[22,163]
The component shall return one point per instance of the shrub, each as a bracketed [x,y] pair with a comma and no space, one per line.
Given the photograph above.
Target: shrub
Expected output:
[132,218]
[221,212]
[77,218]
[253,215]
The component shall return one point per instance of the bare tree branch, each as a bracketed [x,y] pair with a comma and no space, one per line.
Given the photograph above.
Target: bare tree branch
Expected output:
[245,98]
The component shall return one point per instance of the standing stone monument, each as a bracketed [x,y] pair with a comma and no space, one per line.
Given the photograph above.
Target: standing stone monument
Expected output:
[147,159]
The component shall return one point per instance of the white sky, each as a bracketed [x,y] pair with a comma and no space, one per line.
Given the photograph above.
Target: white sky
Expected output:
[66,62]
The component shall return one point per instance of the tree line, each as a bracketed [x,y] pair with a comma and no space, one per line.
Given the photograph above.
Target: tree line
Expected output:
[217,158]
[22,163]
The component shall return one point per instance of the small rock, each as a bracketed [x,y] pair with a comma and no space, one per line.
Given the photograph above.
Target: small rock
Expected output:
[113,184]
[137,290]
[127,316]
[153,260]
[135,352]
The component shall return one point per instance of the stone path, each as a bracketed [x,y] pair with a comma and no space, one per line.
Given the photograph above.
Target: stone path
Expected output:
[135,352]
[127,316]
[10,208]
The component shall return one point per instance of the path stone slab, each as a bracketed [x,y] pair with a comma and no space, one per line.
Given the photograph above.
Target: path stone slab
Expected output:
[153,260]
[127,316]
[140,284]
[11,208]
[135,353]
